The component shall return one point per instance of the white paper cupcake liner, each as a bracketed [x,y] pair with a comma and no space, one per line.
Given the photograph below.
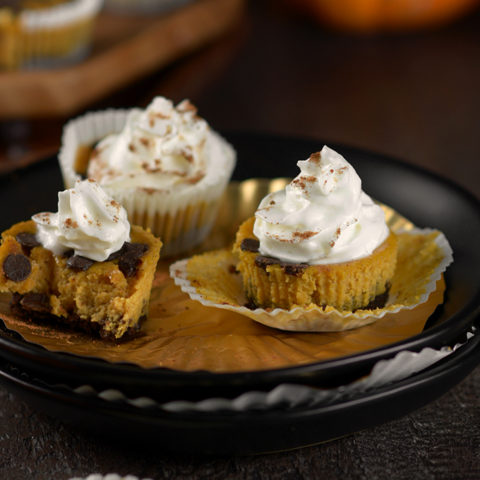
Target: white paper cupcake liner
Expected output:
[60,15]
[313,318]
[50,37]
[181,218]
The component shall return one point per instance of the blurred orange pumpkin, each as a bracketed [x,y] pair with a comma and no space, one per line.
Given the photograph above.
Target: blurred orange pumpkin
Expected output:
[384,15]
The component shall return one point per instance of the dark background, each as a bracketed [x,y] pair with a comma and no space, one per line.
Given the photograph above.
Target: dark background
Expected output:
[414,96]
[411,95]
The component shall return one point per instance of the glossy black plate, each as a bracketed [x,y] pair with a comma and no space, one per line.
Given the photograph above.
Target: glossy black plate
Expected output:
[424,198]
[245,432]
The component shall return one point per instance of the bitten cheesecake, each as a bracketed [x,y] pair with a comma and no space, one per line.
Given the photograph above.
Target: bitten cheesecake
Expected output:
[84,266]
[320,241]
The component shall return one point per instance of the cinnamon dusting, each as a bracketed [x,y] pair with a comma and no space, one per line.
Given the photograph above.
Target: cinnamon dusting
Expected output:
[144,141]
[186,106]
[304,235]
[69,223]
[196,178]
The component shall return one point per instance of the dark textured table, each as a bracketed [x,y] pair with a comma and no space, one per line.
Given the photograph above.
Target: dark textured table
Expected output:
[439,441]
[412,96]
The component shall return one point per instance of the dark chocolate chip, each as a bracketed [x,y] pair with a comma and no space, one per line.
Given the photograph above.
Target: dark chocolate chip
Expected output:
[137,249]
[233,270]
[27,240]
[17,267]
[250,304]
[263,262]
[128,247]
[115,255]
[379,301]
[250,245]
[128,266]
[79,263]
[36,302]
[130,258]
[294,269]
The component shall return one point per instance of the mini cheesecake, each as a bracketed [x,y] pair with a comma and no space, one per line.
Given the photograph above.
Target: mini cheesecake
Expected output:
[347,286]
[109,297]
[45,33]
[320,241]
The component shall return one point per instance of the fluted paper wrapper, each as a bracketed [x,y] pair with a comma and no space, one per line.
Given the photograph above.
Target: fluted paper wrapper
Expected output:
[182,218]
[183,334]
[54,36]
[422,258]
[61,15]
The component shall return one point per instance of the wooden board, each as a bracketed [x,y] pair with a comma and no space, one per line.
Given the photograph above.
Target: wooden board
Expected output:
[124,49]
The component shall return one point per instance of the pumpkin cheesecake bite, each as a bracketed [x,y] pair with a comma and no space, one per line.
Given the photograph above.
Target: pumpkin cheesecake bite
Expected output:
[84,266]
[320,241]
[164,164]
[45,33]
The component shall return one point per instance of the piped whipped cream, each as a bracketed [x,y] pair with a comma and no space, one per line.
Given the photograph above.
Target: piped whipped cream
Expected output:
[88,221]
[161,147]
[322,216]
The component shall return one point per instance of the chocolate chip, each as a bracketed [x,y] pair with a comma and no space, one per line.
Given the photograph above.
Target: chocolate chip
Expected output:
[130,258]
[79,263]
[134,249]
[250,245]
[128,266]
[36,302]
[117,254]
[251,305]
[233,270]
[126,248]
[27,240]
[294,269]
[379,301]
[263,262]
[17,267]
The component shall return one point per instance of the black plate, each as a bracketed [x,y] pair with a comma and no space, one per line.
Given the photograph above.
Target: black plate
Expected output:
[247,432]
[424,198]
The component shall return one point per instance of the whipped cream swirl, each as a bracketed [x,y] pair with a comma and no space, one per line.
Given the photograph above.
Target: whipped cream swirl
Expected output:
[88,221]
[159,148]
[322,216]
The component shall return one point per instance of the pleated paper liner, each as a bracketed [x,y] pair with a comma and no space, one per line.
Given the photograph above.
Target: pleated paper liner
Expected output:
[183,334]
[423,255]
